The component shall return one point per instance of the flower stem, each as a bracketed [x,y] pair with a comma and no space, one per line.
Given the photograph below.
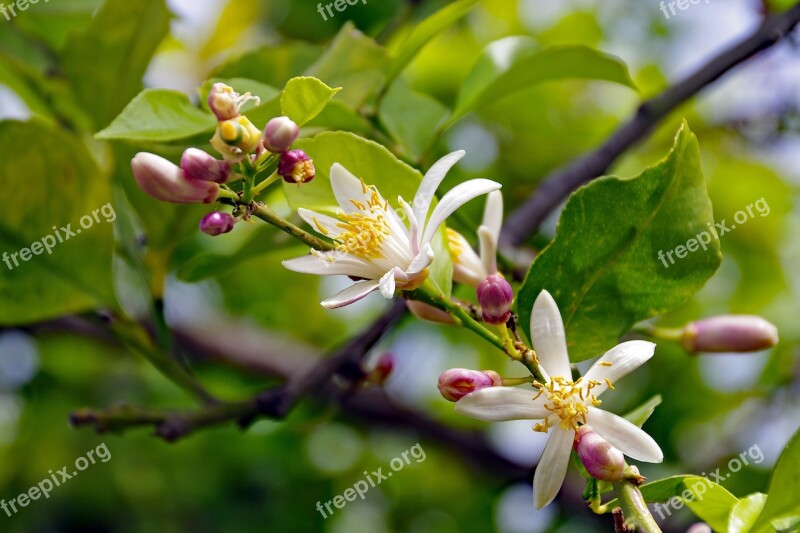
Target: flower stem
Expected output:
[264,184]
[266,213]
[634,507]
[667,334]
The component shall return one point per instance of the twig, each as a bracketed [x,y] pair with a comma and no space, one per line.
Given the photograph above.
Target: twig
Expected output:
[525,220]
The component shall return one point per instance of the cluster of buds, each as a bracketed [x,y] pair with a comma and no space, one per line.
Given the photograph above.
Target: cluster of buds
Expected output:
[197,180]
[456,383]
[729,333]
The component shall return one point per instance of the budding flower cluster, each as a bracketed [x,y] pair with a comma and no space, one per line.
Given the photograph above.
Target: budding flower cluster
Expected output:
[729,333]
[456,383]
[601,460]
[168,182]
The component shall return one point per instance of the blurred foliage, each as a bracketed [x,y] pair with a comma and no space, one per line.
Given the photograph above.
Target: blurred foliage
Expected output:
[73,67]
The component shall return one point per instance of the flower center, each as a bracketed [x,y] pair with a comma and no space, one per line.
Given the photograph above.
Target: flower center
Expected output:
[365,230]
[568,400]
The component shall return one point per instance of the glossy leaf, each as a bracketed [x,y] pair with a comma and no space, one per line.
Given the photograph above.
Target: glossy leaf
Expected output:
[106,62]
[782,501]
[304,98]
[604,267]
[159,115]
[63,277]
[411,118]
[513,64]
[745,513]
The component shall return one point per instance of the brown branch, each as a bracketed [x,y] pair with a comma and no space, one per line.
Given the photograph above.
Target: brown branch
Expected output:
[527,218]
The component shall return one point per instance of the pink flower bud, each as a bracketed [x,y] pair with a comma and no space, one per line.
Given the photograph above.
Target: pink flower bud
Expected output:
[279,134]
[382,369]
[217,223]
[223,101]
[601,460]
[296,167]
[495,296]
[456,383]
[729,333]
[198,165]
[166,182]
[429,313]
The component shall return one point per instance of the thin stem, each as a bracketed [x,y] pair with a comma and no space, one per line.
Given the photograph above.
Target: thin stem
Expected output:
[266,213]
[634,507]
[264,184]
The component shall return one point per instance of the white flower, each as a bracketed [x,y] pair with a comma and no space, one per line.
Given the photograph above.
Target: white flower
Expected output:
[468,267]
[562,404]
[373,243]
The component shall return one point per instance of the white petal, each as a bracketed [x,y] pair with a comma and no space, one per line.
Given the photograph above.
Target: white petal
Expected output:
[552,467]
[625,436]
[330,225]
[548,337]
[413,230]
[499,404]
[624,358]
[488,250]
[344,264]
[347,188]
[467,266]
[493,213]
[351,294]
[422,261]
[455,198]
[433,178]
[387,284]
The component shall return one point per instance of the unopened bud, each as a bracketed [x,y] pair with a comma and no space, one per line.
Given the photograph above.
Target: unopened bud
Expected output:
[429,313]
[165,181]
[198,165]
[495,296]
[217,223]
[296,167]
[601,460]
[382,369]
[223,101]
[456,383]
[279,134]
[729,333]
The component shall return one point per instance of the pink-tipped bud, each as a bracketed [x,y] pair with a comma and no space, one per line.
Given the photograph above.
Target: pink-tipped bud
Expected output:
[495,296]
[198,165]
[279,134]
[296,167]
[223,101]
[217,223]
[382,369]
[729,333]
[601,460]
[456,383]
[165,181]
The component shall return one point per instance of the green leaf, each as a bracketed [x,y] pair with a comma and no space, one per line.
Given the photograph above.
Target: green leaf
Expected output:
[513,64]
[54,182]
[304,98]
[54,21]
[603,267]
[744,513]
[708,500]
[411,118]
[354,62]
[424,32]
[159,115]
[640,415]
[106,62]
[271,65]
[783,489]
[376,166]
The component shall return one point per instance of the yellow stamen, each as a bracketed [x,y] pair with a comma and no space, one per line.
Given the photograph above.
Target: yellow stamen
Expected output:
[567,399]
[606,363]
[364,231]
[608,382]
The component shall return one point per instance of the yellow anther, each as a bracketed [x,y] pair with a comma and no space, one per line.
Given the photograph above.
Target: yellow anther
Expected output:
[606,363]
[608,382]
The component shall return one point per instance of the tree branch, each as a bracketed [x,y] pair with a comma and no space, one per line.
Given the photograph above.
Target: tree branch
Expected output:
[527,218]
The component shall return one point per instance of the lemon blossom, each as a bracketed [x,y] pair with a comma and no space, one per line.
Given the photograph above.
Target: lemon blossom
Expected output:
[563,405]
[468,267]
[372,243]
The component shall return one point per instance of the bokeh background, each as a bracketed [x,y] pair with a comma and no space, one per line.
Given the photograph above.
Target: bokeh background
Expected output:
[270,477]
